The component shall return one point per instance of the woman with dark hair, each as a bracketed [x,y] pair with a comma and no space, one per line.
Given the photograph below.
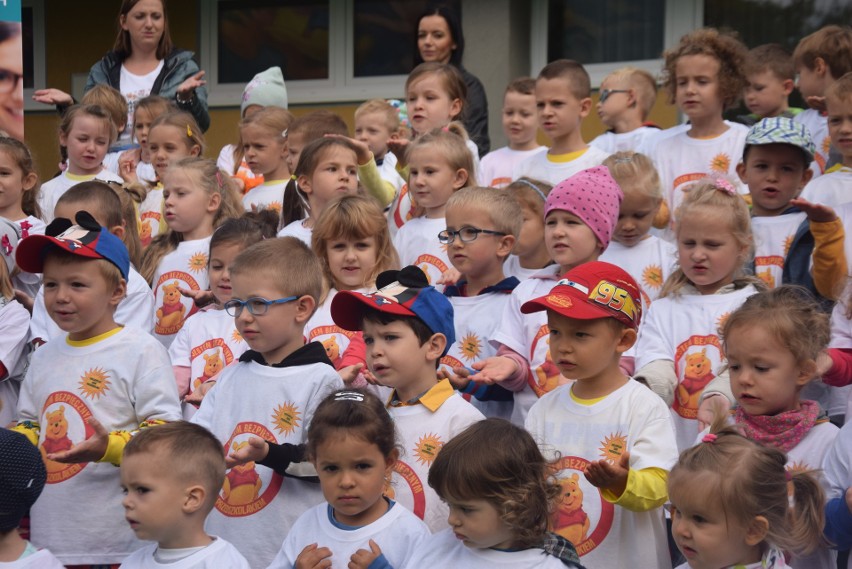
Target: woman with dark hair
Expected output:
[440,38]
[143,62]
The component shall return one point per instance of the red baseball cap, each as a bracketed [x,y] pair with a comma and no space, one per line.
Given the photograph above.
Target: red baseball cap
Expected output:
[593,290]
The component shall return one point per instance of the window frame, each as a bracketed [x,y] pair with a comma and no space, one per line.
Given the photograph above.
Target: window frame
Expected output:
[340,87]
[39,55]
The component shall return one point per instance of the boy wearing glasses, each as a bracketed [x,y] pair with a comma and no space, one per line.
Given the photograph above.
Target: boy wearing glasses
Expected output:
[627,96]
[482,227]
[270,394]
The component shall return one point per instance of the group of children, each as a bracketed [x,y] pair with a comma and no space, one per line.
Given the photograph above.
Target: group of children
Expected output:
[382,351]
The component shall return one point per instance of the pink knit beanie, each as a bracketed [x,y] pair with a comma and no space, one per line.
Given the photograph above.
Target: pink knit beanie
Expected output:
[593,196]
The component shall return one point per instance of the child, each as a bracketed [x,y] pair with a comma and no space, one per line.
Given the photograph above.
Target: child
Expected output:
[14,325]
[439,164]
[770,362]
[112,380]
[86,131]
[704,78]
[173,136]
[135,165]
[352,241]
[795,242]
[734,504]
[22,478]
[198,198]
[482,226]
[103,204]
[270,393]
[265,153]
[770,78]
[501,497]
[520,125]
[832,189]
[352,444]
[327,167]
[530,254]
[563,98]
[113,102]
[679,349]
[579,217]
[171,477]
[820,59]
[408,328]
[604,426]
[627,96]
[377,122]
[209,340]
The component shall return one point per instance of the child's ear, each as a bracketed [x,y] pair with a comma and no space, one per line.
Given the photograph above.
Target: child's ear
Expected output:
[505,245]
[741,170]
[455,107]
[807,371]
[29,181]
[820,66]
[632,101]
[305,306]
[118,293]
[788,85]
[195,150]
[435,346]
[118,231]
[626,341]
[756,531]
[390,461]
[585,107]
[193,499]
[806,177]
[304,184]
[215,202]
[460,178]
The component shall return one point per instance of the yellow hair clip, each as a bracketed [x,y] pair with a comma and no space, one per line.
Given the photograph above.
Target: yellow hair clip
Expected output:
[188,131]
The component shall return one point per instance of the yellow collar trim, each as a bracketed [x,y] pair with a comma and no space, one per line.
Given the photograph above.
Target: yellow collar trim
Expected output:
[566,157]
[94,340]
[586,402]
[432,399]
[80,177]
[838,168]
[275,182]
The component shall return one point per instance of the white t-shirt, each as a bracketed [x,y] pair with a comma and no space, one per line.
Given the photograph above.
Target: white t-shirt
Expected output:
[443,549]
[135,87]
[151,219]
[686,329]
[417,244]
[42,559]
[122,381]
[421,433]
[648,145]
[649,262]
[217,555]
[298,230]
[185,267]
[631,419]
[831,189]
[321,328]
[268,195]
[541,166]
[29,282]
[258,506]
[389,173]
[498,165]
[611,142]
[817,125]
[52,190]
[136,309]
[398,533]
[512,268]
[14,327]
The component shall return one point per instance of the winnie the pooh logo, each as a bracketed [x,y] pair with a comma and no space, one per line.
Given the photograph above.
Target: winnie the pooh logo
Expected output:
[697,375]
[170,314]
[145,233]
[248,488]
[55,437]
[583,516]
[242,483]
[571,521]
[332,349]
[213,364]
[545,377]
[63,420]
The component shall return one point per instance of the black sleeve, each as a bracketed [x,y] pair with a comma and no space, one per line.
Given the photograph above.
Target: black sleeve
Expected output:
[476,113]
[280,456]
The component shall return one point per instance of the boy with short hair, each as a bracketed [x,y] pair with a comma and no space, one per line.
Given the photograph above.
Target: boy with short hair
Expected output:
[171,477]
[627,96]
[820,59]
[563,97]
[613,440]
[520,125]
[770,78]
[85,394]
[376,122]
[22,478]
[270,393]
[482,227]
[408,327]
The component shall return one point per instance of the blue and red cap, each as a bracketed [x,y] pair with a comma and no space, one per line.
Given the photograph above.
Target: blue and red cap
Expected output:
[87,239]
[593,290]
[404,293]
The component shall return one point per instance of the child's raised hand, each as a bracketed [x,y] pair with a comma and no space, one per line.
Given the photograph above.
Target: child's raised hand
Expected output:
[458,378]
[199,297]
[818,213]
[397,146]
[449,277]
[127,162]
[91,450]
[816,102]
[256,450]
[362,151]
[362,558]
[606,475]
[710,407]
[824,363]
[493,370]
[314,557]
[198,394]
[52,97]
[25,300]
[350,373]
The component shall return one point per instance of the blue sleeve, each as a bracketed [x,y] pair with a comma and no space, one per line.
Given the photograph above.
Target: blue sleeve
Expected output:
[380,562]
[838,523]
[485,392]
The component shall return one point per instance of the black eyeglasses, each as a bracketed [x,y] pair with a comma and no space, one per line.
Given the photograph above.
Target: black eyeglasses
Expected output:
[605,93]
[256,305]
[466,234]
[9,80]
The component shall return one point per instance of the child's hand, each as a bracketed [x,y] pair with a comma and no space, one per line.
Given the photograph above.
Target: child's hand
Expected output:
[816,102]
[199,297]
[187,89]
[91,450]
[362,558]
[314,557]
[818,213]
[127,162]
[493,370]
[606,475]
[449,277]
[26,300]
[458,379]
[53,97]
[397,146]
[198,394]
[708,409]
[823,363]
[255,451]
[350,373]
[362,151]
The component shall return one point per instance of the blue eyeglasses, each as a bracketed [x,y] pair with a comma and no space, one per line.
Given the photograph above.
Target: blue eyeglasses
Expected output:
[605,93]
[256,305]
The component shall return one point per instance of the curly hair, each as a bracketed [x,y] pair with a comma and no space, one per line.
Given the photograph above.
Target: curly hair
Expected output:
[725,48]
[499,462]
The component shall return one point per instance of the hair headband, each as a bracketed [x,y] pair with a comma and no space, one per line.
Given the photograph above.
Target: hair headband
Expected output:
[188,130]
[723,185]
[534,187]
[709,438]
[349,396]
[623,160]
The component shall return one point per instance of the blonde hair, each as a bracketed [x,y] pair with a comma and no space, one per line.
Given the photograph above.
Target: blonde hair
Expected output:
[642,83]
[531,194]
[111,100]
[213,180]
[840,90]
[187,124]
[714,194]
[450,142]
[94,111]
[500,207]
[635,173]
[23,159]
[275,119]
[351,218]
[380,106]
[296,271]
